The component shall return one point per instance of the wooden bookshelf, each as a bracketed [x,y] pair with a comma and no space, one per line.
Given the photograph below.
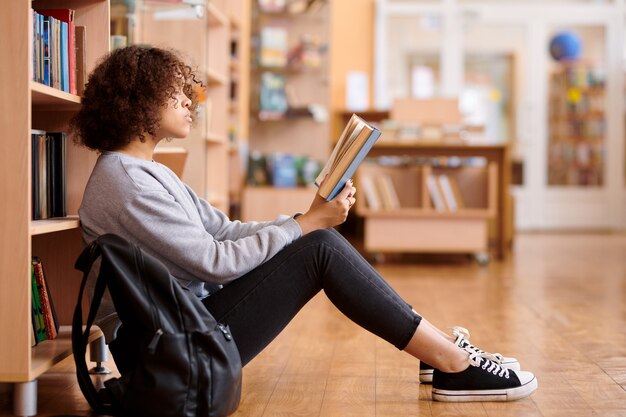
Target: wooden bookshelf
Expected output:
[577,126]
[422,227]
[295,131]
[29,105]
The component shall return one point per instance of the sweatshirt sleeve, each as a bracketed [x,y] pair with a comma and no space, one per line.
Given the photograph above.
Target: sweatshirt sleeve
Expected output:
[201,249]
[229,229]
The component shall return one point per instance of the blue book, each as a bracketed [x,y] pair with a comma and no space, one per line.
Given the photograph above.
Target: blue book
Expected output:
[65,63]
[46,49]
[353,145]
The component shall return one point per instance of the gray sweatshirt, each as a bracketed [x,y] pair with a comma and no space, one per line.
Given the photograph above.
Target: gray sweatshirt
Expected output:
[147,204]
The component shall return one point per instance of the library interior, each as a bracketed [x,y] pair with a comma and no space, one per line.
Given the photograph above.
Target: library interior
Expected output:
[491,196]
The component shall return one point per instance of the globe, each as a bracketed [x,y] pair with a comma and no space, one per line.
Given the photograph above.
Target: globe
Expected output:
[565,46]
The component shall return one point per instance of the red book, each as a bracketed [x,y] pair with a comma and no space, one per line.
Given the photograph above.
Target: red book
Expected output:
[47,307]
[66,15]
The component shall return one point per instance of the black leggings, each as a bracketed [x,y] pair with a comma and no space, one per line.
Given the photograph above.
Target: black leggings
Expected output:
[260,304]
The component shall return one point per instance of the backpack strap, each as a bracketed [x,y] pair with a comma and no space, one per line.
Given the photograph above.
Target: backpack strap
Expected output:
[80,337]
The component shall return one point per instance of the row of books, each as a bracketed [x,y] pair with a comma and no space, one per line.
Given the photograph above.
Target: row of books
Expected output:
[443,190]
[274,51]
[273,102]
[43,315]
[281,170]
[379,192]
[58,50]
[49,162]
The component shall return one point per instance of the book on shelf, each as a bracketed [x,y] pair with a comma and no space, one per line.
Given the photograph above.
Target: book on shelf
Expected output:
[54,49]
[369,191]
[49,316]
[273,51]
[272,100]
[57,161]
[447,192]
[39,328]
[35,196]
[49,166]
[435,194]
[257,172]
[389,196]
[80,35]
[40,174]
[353,145]
[456,191]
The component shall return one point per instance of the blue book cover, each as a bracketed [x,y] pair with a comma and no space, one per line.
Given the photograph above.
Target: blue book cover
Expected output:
[360,156]
[47,80]
[352,147]
[65,63]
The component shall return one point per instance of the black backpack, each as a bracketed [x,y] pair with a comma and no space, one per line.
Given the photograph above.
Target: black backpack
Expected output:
[189,366]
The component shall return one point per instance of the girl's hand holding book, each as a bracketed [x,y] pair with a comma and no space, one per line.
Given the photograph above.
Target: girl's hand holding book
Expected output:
[324,214]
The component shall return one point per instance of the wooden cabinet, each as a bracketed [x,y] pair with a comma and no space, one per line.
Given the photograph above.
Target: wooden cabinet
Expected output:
[415,225]
[27,105]
[481,224]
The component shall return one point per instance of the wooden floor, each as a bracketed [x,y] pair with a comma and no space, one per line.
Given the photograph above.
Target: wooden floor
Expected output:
[558,305]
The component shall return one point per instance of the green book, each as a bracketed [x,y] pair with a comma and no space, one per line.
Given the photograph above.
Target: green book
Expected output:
[38,324]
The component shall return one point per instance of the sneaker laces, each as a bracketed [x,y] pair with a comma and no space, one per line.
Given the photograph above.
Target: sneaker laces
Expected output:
[462,340]
[481,359]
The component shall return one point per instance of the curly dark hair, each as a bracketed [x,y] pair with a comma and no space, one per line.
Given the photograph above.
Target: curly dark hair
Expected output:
[125,94]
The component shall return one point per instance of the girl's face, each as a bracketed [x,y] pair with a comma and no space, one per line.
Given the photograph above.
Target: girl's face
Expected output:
[176,118]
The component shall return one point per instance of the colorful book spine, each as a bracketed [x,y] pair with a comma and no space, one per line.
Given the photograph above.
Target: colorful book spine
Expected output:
[49,174]
[54,49]
[57,156]
[47,307]
[39,327]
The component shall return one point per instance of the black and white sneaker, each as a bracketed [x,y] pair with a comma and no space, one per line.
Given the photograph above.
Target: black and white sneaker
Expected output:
[483,380]
[462,340]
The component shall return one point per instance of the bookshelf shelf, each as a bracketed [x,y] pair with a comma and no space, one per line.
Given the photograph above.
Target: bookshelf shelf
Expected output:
[215,78]
[50,352]
[426,212]
[40,227]
[45,96]
[216,138]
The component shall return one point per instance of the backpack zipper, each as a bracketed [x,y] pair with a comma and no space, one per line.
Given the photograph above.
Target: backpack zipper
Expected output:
[155,341]
[225,331]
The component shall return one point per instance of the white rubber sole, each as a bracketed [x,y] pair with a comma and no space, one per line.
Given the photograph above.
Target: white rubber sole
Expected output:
[426,376]
[510,394]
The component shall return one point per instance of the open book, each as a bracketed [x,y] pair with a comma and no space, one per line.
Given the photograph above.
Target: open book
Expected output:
[355,142]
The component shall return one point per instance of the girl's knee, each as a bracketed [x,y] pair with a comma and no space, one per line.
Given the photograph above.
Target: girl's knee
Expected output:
[329,235]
